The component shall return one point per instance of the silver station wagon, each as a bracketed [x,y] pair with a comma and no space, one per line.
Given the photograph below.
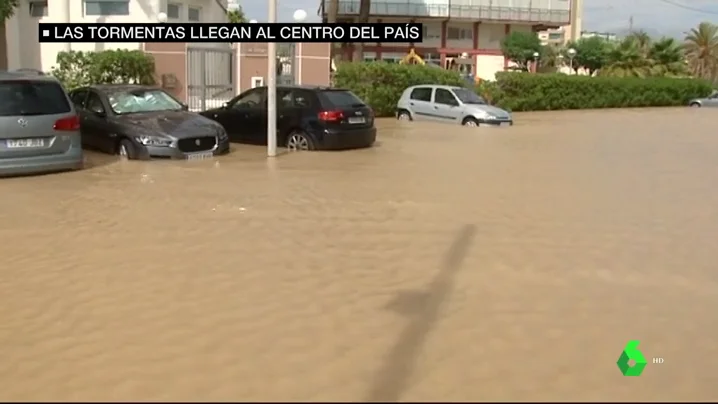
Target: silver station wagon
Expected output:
[455,105]
[40,129]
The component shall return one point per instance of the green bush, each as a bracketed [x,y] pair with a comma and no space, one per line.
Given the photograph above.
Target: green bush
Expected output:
[75,69]
[539,92]
[381,84]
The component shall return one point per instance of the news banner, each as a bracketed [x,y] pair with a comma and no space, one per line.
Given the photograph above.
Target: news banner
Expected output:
[229,32]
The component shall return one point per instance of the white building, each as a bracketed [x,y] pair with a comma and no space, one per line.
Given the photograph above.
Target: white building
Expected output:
[24,50]
[454,28]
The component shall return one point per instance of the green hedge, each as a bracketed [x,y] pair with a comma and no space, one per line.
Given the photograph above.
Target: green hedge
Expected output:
[381,84]
[540,92]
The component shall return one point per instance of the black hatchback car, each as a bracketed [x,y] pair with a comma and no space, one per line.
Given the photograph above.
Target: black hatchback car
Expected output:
[140,122]
[308,118]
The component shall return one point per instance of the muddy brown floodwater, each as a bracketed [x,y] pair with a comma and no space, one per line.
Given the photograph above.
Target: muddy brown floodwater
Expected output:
[444,264]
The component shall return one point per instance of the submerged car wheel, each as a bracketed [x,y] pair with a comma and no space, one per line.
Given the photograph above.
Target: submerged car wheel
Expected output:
[126,150]
[404,116]
[695,105]
[299,141]
[470,122]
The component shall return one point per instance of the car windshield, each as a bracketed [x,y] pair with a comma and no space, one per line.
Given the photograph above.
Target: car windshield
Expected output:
[32,98]
[468,97]
[137,101]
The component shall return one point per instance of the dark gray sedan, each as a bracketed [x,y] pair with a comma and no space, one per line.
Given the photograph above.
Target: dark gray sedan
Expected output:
[141,122]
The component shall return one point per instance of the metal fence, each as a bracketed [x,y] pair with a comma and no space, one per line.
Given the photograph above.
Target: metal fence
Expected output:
[210,78]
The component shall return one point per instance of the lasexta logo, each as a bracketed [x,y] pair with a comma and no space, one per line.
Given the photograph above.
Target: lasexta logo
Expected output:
[631,362]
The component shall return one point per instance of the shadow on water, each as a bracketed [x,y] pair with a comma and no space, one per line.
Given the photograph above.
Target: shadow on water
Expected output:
[423,308]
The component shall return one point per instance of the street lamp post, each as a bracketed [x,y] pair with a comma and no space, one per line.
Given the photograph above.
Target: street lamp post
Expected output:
[536,57]
[272,87]
[299,17]
[571,55]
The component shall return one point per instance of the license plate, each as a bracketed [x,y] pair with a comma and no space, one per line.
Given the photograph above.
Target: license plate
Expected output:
[357,120]
[200,156]
[505,123]
[24,143]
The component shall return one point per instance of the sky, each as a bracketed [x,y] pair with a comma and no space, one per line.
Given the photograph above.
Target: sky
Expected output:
[655,16]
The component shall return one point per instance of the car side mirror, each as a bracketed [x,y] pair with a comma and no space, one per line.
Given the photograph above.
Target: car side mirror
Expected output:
[185,107]
[225,105]
[100,114]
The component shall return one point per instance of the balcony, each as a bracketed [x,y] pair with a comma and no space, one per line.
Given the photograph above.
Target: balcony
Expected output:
[554,12]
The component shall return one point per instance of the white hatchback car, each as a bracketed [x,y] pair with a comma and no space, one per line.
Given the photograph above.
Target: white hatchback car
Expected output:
[449,104]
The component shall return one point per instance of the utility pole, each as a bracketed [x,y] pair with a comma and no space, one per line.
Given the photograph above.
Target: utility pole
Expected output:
[630,24]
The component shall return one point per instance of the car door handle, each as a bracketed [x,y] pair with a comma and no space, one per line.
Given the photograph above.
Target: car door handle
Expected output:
[411,103]
[436,107]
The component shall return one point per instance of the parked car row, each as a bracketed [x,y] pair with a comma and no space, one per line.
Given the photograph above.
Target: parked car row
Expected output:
[45,129]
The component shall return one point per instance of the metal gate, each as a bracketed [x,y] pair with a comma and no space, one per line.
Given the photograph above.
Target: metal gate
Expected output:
[210,77]
[286,58]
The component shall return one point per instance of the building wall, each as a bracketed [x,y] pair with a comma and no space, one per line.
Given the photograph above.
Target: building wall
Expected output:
[554,36]
[23,48]
[444,40]
[553,12]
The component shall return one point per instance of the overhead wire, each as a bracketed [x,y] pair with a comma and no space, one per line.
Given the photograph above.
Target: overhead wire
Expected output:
[689,8]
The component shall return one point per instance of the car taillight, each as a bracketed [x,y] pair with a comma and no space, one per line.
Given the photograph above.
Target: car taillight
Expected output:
[71,123]
[331,116]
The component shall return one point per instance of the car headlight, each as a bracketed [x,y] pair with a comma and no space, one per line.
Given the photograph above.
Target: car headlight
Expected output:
[149,140]
[483,115]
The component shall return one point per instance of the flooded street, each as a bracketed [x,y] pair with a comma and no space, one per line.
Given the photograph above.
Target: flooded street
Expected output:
[446,263]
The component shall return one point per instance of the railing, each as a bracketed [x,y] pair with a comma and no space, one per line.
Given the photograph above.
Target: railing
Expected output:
[449,10]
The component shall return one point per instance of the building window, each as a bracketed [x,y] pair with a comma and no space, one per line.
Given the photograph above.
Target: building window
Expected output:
[38,8]
[369,56]
[431,33]
[173,11]
[392,57]
[105,7]
[194,14]
[555,36]
[459,33]
[432,58]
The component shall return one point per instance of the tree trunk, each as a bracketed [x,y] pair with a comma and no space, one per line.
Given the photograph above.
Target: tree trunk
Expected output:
[3,47]
[364,8]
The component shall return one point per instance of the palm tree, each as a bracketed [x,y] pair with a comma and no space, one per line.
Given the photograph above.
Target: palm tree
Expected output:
[7,10]
[639,56]
[668,57]
[701,49]
[236,16]
[628,59]
[641,39]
